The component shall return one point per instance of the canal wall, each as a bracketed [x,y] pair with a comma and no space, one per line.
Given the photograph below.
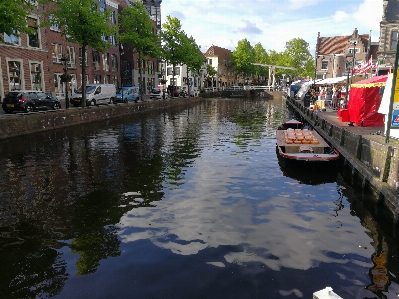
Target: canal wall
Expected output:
[242,94]
[370,158]
[19,124]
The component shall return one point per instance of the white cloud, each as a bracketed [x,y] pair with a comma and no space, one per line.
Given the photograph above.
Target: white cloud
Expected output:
[273,23]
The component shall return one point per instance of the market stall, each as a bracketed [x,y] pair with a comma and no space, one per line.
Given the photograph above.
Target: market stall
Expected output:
[364,101]
[384,108]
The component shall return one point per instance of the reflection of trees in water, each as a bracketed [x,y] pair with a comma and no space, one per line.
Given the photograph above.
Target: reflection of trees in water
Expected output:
[92,228]
[30,267]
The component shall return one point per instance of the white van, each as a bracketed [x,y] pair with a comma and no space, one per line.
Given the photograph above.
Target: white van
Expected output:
[95,94]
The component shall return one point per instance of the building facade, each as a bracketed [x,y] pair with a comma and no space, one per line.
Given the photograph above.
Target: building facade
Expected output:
[37,61]
[220,59]
[389,35]
[335,56]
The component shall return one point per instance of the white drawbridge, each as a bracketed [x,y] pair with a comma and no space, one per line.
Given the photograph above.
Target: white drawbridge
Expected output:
[272,70]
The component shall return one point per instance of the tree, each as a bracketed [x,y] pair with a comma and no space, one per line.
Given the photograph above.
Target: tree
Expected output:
[194,59]
[81,22]
[173,39]
[138,31]
[262,57]
[297,55]
[13,16]
[211,72]
[243,57]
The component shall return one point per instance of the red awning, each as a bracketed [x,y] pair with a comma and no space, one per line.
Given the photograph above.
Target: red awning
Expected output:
[376,81]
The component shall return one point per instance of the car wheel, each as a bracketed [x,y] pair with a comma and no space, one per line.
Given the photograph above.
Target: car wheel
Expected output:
[56,106]
[28,108]
[125,101]
[93,103]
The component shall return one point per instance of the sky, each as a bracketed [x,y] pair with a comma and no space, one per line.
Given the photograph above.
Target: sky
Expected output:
[272,22]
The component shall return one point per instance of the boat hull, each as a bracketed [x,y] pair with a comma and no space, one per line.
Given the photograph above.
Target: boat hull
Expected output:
[294,143]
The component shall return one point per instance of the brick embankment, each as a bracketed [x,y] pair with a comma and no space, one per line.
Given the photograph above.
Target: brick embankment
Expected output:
[19,124]
[364,149]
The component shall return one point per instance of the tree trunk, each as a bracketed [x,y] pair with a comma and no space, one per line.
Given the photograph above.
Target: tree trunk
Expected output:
[140,78]
[83,103]
[188,84]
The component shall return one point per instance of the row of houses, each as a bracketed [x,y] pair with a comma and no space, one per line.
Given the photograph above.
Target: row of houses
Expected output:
[37,61]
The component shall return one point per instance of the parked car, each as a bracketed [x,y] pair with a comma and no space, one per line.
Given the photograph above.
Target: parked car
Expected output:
[95,94]
[29,100]
[127,94]
[176,89]
[158,93]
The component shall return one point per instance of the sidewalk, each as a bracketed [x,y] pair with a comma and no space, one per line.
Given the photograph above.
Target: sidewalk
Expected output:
[371,133]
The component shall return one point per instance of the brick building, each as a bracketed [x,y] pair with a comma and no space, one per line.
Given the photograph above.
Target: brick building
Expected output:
[34,61]
[335,54]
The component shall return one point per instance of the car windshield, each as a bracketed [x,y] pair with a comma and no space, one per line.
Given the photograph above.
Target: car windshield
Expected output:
[156,90]
[89,89]
[122,89]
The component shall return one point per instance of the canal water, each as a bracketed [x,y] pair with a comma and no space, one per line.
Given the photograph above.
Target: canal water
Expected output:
[185,203]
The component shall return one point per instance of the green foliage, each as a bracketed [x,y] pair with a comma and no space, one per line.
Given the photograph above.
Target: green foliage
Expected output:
[194,57]
[243,57]
[297,55]
[210,70]
[139,32]
[173,39]
[261,56]
[81,22]
[13,14]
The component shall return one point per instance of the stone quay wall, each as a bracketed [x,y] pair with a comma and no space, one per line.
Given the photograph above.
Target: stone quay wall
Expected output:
[377,162]
[19,124]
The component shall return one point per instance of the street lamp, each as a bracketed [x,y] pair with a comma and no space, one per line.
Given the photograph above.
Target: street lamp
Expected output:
[66,79]
[349,69]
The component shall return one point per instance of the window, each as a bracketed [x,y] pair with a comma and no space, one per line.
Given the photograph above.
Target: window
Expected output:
[177,71]
[96,61]
[56,50]
[14,75]
[112,38]
[97,79]
[150,67]
[324,65]
[36,75]
[115,79]
[169,71]
[106,62]
[114,63]
[71,57]
[80,57]
[394,39]
[107,79]
[357,50]
[12,39]
[53,27]
[33,39]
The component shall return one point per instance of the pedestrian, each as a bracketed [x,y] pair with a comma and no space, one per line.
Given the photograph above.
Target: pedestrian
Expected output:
[329,94]
[335,98]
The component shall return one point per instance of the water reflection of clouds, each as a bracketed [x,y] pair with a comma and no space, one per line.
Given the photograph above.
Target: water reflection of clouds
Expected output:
[285,236]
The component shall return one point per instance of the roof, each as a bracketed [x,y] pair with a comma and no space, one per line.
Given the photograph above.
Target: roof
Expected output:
[222,53]
[371,82]
[337,44]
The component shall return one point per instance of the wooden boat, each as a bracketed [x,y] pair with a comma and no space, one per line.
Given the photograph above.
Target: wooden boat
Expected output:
[295,141]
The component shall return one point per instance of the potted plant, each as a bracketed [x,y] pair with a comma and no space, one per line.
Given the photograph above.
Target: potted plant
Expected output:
[163,81]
